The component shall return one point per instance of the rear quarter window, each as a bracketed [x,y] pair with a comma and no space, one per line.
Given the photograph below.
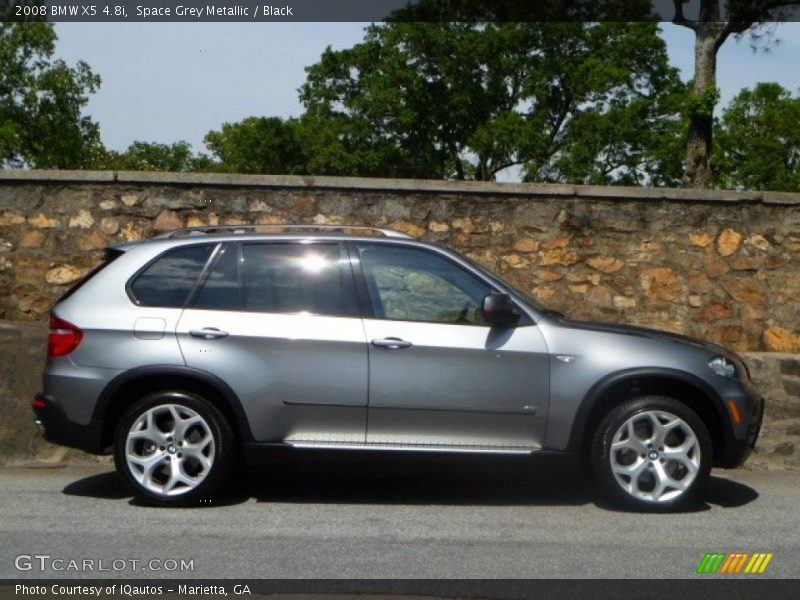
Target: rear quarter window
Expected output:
[168,280]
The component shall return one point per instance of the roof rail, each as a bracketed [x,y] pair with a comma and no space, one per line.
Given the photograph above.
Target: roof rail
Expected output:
[221,229]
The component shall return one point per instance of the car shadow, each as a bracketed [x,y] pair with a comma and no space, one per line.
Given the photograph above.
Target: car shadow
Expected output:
[411,479]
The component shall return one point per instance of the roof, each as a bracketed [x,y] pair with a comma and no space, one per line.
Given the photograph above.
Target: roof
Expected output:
[357,230]
[278,231]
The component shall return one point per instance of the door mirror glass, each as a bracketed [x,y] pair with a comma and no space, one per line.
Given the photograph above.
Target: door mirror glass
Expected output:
[499,310]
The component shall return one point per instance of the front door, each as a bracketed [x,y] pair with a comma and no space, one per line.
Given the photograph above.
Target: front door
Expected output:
[438,374]
[279,323]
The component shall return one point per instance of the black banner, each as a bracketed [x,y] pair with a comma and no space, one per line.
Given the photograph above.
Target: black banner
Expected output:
[374,589]
[398,10]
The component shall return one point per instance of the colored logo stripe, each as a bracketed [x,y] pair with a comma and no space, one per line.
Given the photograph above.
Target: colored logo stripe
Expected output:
[711,562]
[735,562]
[721,562]
[758,563]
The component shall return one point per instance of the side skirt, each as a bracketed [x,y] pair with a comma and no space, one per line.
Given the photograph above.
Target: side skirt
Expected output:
[260,452]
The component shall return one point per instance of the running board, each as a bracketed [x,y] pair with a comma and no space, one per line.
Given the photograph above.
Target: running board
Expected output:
[410,447]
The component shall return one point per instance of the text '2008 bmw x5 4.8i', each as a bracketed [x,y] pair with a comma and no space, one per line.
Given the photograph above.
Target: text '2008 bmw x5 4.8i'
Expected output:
[189,352]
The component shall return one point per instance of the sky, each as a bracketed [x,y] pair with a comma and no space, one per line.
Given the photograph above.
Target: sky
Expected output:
[164,82]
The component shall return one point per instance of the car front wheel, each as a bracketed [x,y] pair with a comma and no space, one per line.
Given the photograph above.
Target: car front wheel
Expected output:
[652,453]
[173,448]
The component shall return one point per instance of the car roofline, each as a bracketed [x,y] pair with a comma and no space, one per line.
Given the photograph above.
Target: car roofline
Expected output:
[280,227]
[278,237]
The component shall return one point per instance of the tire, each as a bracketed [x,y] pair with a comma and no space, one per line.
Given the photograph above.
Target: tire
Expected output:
[174,448]
[652,454]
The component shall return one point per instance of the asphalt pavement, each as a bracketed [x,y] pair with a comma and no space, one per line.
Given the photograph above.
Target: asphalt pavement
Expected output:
[364,516]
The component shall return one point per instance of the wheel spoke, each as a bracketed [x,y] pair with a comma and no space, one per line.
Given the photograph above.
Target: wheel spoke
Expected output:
[146,429]
[176,476]
[183,425]
[196,451]
[631,441]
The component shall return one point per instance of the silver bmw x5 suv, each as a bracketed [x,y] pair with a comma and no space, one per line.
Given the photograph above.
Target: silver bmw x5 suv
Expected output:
[197,350]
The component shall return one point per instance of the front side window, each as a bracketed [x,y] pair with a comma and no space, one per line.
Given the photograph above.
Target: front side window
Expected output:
[168,280]
[410,284]
[296,278]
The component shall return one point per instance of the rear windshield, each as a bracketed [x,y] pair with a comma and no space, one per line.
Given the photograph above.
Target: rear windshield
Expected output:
[110,256]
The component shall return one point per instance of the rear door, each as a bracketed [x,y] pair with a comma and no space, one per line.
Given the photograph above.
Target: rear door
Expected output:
[278,322]
[439,375]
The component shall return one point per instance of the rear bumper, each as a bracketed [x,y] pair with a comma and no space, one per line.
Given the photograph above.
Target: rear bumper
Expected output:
[58,429]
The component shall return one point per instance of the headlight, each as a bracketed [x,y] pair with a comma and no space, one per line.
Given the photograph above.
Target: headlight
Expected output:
[723,367]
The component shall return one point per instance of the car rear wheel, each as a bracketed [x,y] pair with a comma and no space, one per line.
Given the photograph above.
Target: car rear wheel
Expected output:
[652,453]
[174,448]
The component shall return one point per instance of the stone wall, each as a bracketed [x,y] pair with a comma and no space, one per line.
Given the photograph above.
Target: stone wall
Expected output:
[724,266]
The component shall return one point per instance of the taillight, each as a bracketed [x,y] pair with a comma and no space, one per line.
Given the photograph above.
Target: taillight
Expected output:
[64,337]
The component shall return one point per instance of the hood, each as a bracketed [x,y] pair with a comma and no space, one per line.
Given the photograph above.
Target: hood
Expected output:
[656,334]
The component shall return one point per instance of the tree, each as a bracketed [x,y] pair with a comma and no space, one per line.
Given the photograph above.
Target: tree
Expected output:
[151,156]
[259,145]
[42,100]
[561,101]
[759,140]
[717,21]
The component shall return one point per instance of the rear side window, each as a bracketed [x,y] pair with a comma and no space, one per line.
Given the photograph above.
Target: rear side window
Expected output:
[280,278]
[168,280]
[296,278]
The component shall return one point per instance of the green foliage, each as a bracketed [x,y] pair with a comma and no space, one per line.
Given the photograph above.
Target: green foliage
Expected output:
[703,104]
[42,101]
[259,145]
[151,156]
[758,140]
[562,101]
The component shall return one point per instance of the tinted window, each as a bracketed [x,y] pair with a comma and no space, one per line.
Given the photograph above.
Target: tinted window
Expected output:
[168,280]
[415,285]
[221,288]
[294,278]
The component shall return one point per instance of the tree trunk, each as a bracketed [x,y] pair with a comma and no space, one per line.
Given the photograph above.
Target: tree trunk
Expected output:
[698,171]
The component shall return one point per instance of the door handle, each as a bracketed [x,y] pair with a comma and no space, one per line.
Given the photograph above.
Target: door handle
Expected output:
[208,333]
[391,343]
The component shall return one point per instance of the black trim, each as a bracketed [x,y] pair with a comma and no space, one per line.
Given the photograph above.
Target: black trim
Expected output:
[360,281]
[59,429]
[580,422]
[203,376]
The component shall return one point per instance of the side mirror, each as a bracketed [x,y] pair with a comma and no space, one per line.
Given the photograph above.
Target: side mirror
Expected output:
[499,310]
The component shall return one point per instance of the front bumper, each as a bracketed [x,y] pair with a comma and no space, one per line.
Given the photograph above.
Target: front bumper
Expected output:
[58,429]
[736,450]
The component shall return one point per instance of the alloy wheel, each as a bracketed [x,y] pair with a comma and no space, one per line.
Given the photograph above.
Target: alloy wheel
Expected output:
[655,456]
[169,449]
